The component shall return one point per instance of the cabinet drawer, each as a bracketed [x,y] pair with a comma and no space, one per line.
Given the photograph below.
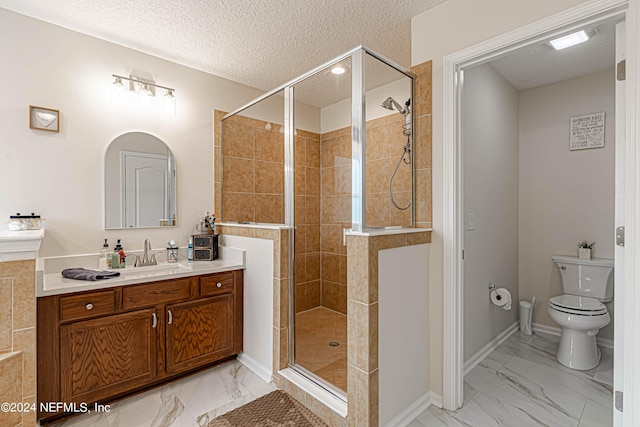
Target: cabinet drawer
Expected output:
[87,305]
[217,284]
[156,293]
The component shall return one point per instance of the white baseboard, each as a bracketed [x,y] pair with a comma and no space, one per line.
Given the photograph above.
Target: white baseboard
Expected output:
[474,360]
[255,367]
[412,411]
[551,330]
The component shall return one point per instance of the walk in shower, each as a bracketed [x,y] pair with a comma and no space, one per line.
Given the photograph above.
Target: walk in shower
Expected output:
[328,152]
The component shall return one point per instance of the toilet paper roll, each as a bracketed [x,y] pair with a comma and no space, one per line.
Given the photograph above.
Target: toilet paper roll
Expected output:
[502,298]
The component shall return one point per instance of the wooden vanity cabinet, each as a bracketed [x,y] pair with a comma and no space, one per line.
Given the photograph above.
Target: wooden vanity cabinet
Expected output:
[101,345]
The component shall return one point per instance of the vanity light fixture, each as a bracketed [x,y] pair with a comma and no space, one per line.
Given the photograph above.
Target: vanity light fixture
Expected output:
[142,92]
[571,39]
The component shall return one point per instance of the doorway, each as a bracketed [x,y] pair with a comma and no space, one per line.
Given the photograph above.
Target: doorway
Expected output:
[455,67]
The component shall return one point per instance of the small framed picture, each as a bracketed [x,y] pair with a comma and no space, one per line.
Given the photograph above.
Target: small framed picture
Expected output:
[44,119]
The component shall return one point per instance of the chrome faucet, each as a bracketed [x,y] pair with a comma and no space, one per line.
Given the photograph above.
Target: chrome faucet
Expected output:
[146,261]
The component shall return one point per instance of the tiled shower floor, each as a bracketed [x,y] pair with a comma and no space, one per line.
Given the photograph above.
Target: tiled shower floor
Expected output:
[522,384]
[315,330]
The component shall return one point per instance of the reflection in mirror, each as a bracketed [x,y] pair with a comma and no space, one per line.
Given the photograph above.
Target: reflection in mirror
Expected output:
[140,183]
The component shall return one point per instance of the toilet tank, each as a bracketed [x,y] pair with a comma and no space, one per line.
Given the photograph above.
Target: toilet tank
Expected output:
[591,278]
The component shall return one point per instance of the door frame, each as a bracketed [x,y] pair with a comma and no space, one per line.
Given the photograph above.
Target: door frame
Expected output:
[453,218]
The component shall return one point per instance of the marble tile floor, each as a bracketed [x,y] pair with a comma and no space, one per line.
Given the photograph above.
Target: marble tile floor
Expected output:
[190,402]
[522,384]
[315,329]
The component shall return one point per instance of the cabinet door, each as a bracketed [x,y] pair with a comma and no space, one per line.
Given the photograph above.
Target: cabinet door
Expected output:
[104,357]
[199,332]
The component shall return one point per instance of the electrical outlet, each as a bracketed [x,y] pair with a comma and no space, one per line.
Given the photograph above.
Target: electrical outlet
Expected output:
[471,222]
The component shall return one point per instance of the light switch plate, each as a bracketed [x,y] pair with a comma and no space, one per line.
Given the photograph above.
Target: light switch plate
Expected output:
[471,222]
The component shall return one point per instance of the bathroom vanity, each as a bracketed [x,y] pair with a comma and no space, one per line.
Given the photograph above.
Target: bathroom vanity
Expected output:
[106,343]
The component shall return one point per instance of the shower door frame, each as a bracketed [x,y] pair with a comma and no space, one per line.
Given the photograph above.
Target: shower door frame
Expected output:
[358,170]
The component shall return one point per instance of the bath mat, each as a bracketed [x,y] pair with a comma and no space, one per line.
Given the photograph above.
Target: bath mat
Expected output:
[274,409]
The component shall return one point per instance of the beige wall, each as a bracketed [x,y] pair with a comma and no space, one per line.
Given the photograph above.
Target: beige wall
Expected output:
[443,30]
[490,147]
[565,196]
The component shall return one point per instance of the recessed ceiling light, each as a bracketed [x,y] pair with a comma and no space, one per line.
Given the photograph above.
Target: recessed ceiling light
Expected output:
[338,70]
[570,40]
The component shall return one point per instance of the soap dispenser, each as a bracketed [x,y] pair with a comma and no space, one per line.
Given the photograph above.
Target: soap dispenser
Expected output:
[105,261]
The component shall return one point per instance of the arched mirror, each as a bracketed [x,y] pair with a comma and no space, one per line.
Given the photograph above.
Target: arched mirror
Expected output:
[140,183]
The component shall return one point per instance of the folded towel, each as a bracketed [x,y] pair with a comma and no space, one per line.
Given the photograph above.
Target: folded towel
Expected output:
[84,274]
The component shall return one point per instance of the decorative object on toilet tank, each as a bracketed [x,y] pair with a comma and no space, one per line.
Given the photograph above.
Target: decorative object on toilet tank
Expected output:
[41,118]
[584,249]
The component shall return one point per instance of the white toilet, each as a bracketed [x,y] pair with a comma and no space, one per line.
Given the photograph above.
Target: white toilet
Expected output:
[580,311]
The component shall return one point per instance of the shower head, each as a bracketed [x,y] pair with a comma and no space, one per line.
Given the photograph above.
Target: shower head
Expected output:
[389,103]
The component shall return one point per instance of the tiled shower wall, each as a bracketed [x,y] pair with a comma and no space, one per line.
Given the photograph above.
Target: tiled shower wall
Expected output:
[17,340]
[252,160]
[335,208]
[307,219]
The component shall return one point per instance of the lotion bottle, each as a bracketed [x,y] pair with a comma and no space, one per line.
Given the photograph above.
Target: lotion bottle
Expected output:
[105,261]
[190,252]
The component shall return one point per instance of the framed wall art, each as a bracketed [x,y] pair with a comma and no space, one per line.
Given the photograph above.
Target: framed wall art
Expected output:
[41,118]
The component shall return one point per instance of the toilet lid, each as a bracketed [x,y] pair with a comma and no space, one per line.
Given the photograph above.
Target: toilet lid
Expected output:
[578,305]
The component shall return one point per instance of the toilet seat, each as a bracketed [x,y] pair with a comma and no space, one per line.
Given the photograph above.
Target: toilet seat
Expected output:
[573,304]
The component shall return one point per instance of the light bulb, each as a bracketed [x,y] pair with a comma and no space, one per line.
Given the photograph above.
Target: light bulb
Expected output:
[118,92]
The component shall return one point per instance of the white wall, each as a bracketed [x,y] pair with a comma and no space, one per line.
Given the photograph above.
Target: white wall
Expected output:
[490,153]
[338,115]
[565,196]
[60,175]
[403,346]
[257,351]
[443,30]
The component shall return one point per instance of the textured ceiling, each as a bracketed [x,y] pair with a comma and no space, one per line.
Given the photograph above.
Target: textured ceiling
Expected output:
[259,43]
[539,64]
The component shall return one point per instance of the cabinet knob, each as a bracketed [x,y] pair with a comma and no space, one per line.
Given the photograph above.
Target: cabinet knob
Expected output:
[219,285]
[89,306]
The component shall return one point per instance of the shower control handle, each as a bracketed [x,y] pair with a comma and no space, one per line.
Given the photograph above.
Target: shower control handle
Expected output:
[563,268]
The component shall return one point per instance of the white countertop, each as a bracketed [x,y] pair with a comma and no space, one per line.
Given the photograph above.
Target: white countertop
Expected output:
[55,284]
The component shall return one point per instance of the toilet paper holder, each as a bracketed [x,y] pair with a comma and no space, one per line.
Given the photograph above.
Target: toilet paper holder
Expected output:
[492,286]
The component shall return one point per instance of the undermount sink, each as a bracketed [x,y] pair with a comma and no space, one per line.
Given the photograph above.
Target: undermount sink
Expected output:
[153,270]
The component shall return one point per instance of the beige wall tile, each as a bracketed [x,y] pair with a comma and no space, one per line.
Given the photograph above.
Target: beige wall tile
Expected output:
[300,301]
[24,292]
[312,269]
[238,175]
[313,238]
[25,341]
[312,176]
[269,177]
[331,238]
[330,267]
[299,210]
[330,151]
[423,142]
[312,294]
[313,153]
[418,238]
[423,195]
[238,206]
[299,184]
[6,310]
[269,145]
[269,208]
[331,209]
[312,210]
[266,233]
[299,151]
[29,418]
[237,231]
[300,269]
[238,140]
[422,102]
[299,241]
[11,386]
[330,295]
[330,181]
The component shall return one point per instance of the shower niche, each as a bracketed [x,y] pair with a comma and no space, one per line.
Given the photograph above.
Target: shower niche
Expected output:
[328,152]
